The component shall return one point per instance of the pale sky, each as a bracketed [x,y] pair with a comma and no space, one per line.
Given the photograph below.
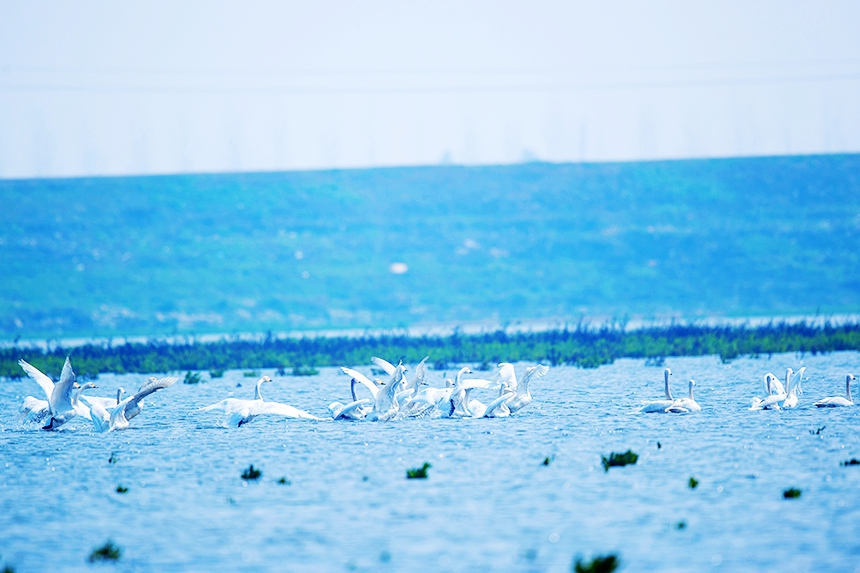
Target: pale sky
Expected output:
[111,88]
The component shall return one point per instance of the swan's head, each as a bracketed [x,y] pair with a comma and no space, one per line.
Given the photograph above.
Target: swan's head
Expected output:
[449,383]
[667,372]
[466,370]
[265,379]
[849,379]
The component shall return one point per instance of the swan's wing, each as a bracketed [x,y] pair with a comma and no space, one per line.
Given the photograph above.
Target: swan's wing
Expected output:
[61,397]
[33,409]
[491,407]
[359,377]
[534,372]
[384,364]
[345,411]
[99,416]
[279,409]
[44,382]
[226,406]
[404,394]
[149,387]
[394,382]
[132,402]
[419,372]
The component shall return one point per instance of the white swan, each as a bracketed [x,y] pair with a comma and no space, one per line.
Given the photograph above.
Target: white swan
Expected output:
[498,408]
[838,401]
[243,411]
[117,417]
[355,410]
[791,398]
[659,406]
[59,396]
[523,396]
[685,405]
[775,386]
[771,400]
[427,400]
[462,405]
[35,411]
[386,405]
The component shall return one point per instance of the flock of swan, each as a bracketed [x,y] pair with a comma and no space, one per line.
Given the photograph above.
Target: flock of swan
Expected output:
[778,396]
[400,397]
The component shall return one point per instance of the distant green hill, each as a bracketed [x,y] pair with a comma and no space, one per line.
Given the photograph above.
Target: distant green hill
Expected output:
[252,252]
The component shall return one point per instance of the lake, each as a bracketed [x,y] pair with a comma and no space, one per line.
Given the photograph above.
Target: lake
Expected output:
[490,504]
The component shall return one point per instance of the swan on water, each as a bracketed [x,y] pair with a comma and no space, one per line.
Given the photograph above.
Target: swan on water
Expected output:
[523,396]
[243,411]
[35,411]
[771,400]
[659,406]
[59,396]
[838,401]
[117,417]
[685,405]
[386,405]
[791,398]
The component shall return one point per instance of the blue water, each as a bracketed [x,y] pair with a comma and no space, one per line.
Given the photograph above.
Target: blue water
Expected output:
[489,503]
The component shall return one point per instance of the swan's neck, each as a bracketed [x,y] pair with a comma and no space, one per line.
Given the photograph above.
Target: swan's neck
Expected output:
[460,375]
[666,386]
[691,390]
[848,388]
[257,394]
[119,395]
[788,374]
[352,389]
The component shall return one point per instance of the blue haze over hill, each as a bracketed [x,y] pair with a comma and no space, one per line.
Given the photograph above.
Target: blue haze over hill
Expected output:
[296,250]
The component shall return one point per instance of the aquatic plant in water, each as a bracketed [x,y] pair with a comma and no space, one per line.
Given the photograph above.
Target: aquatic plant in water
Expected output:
[113,459]
[618,460]
[418,473]
[693,483]
[284,481]
[107,552]
[121,489]
[851,462]
[681,525]
[548,460]
[818,431]
[791,493]
[251,473]
[216,373]
[192,378]
[250,374]
[599,564]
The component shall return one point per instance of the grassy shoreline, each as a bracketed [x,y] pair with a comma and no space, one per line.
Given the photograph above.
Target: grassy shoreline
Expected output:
[582,346]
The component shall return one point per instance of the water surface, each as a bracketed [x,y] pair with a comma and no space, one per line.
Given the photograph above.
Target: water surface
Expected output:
[489,503]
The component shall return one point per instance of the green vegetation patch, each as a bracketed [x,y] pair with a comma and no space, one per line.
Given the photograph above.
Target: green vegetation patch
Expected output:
[107,552]
[418,473]
[579,345]
[791,493]
[599,564]
[619,460]
[693,483]
[252,473]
